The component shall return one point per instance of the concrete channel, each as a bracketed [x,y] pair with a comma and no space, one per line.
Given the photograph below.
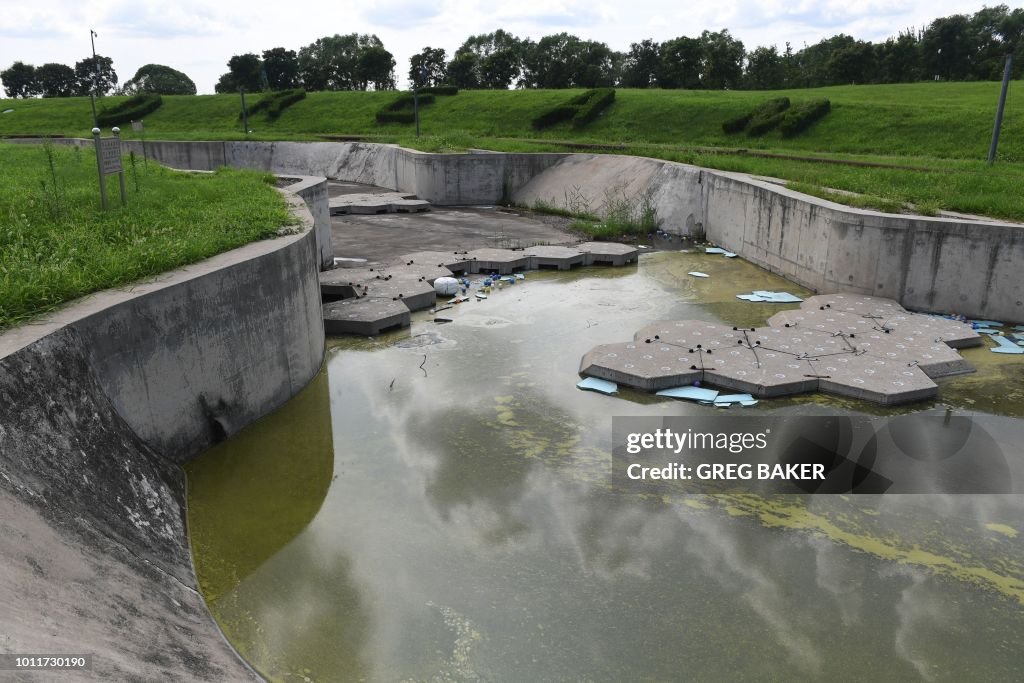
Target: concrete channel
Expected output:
[104,400]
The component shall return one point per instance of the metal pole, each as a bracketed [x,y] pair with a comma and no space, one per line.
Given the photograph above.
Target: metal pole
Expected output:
[95,73]
[99,168]
[245,114]
[999,110]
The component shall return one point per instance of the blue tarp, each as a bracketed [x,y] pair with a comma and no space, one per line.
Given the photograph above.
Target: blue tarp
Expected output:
[601,385]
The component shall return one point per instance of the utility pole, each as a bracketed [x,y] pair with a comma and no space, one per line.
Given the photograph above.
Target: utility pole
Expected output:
[95,73]
[999,110]
[422,73]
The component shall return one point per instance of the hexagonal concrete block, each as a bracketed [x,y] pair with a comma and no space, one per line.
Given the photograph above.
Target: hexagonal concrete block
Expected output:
[862,347]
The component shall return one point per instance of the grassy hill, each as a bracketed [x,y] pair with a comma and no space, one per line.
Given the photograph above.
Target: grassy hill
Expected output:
[941,130]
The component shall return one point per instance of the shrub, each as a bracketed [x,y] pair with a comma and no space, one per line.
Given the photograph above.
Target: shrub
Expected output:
[760,116]
[736,124]
[589,110]
[132,109]
[275,103]
[384,116]
[557,114]
[799,119]
[581,109]
[401,109]
[761,125]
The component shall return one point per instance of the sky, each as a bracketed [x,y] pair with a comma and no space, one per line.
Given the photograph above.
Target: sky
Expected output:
[199,36]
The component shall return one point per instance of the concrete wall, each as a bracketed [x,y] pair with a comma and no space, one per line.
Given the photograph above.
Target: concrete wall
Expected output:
[98,405]
[946,265]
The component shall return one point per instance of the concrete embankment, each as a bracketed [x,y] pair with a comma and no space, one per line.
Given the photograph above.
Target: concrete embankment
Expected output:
[99,404]
[947,265]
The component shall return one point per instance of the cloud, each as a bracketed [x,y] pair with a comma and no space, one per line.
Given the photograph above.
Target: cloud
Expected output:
[401,13]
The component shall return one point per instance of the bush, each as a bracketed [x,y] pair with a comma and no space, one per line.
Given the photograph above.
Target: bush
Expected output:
[132,109]
[557,114]
[275,103]
[799,119]
[581,109]
[401,109]
[762,117]
[599,100]
[761,125]
[735,125]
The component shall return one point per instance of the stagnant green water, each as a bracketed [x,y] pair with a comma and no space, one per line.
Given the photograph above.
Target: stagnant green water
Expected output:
[455,522]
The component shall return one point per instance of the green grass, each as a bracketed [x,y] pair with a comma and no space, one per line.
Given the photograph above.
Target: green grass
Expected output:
[942,130]
[56,244]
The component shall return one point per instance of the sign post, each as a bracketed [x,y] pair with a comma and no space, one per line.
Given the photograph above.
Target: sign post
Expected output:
[108,160]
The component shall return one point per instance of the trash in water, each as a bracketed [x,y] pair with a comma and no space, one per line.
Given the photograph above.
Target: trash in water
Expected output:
[697,273]
[1005,345]
[601,385]
[520,276]
[458,300]
[694,393]
[770,297]
[719,250]
[446,286]
[439,309]
[481,296]
[441,321]
[727,400]
[988,331]
[345,259]
[984,323]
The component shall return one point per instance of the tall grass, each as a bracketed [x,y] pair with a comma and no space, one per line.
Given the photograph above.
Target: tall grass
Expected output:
[56,243]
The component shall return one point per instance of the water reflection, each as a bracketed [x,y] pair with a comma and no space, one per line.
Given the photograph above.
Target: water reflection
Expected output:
[471,532]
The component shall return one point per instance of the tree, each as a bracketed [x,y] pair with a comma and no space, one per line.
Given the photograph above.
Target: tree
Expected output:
[20,80]
[640,64]
[433,63]
[565,61]
[56,80]
[160,79]
[722,62]
[765,69]
[499,59]
[463,71]
[99,71]
[899,59]
[376,67]
[852,64]
[338,63]
[680,63]
[281,67]
[947,47]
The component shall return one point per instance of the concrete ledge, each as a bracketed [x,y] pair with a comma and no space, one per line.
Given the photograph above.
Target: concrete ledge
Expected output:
[99,403]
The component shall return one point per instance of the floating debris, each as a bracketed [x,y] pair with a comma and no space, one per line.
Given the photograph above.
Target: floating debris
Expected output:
[481,296]
[600,385]
[692,393]
[727,400]
[770,297]
[1005,345]
[984,323]
[698,274]
[719,250]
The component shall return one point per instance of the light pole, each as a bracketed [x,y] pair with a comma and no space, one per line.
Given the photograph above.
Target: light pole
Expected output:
[95,68]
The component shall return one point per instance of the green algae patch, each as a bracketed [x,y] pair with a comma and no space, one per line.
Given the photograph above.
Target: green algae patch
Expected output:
[1002,529]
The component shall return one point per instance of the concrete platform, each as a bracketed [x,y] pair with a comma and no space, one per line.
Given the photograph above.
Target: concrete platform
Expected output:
[408,280]
[608,253]
[365,317]
[375,203]
[562,258]
[836,344]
